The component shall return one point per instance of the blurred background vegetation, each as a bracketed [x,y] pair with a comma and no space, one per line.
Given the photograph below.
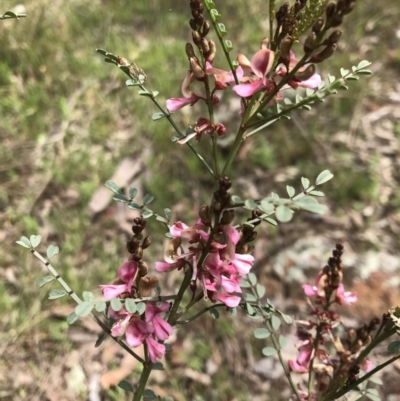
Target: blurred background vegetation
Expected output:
[67,122]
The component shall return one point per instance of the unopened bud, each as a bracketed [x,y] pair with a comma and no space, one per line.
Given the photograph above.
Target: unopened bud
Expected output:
[143,268]
[330,10]
[349,8]
[324,54]
[309,44]
[212,51]
[205,29]
[337,20]
[171,251]
[220,129]
[196,37]
[220,238]
[318,25]
[227,217]
[285,46]
[138,254]
[340,6]
[196,69]
[243,249]
[305,74]
[252,237]
[204,215]
[204,47]
[193,24]
[146,242]
[335,36]
[264,44]
[189,49]
[147,285]
[217,207]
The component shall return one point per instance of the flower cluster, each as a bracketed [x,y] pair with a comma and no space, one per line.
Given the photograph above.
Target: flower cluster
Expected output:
[313,354]
[223,268]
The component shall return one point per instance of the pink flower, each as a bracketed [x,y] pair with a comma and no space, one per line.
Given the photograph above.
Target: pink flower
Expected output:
[302,363]
[222,77]
[345,297]
[189,97]
[366,365]
[127,275]
[260,65]
[156,350]
[162,329]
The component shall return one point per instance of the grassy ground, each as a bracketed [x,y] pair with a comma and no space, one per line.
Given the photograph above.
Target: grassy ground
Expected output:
[67,120]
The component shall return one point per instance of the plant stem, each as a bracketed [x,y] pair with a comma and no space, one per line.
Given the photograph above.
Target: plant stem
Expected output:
[144,377]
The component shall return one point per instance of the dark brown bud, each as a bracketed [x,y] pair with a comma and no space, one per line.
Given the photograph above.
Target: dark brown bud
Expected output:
[337,20]
[138,254]
[205,29]
[204,215]
[220,238]
[227,217]
[309,44]
[324,54]
[243,249]
[285,46]
[212,51]
[318,25]
[335,36]
[340,6]
[146,242]
[349,8]
[196,38]
[204,47]
[193,24]
[252,237]
[143,268]
[305,74]
[330,10]
[196,69]
[217,206]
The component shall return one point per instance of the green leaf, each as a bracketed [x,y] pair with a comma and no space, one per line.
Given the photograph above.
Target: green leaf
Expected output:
[115,304]
[283,214]
[311,205]
[394,347]
[309,92]
[54,294]
[100,306]
[323,177]
[249,297]
[35,240]
[316,193]
[52,250]
[134,206]
[352,78]
[233,311]
[157,366]
[102,336]
[250,310]
[132,82]
[120,198]
[275,322]
[145,93]
[147,213]
[148,198]
[112,186]
[215,15]
[236,199]
[269,351]
[160,218]
[88,296]
[84,309]
[250,204]
[373,397]
[287,101]
[260,290]
[282,341]
[245,284]
[44,280]
[214,313]
[305,182]
[23,241]
[274,196]
[261,333]
[376,380]
[270,221]
[72,318]
[157,116]
[130,305]
[148,395]
[362,64]
[344,72]
[132,192]
[168,214]
[364,72]
[266,206]
[252,278]
[222,29]
[331,78]
[305,107]
[140,308]
[290,190]
[125,385]
[288,319]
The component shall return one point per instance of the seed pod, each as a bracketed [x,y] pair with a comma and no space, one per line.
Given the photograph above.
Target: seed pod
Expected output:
[146,242]
[285,46]
[305,74]
[204,215]
[318,25]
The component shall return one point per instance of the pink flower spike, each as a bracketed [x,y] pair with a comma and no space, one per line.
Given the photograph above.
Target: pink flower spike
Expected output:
[231,301]
[156,350]
[243,263]
[346,298]
[175,103]
[247,90]
[137,331]
[261,63]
